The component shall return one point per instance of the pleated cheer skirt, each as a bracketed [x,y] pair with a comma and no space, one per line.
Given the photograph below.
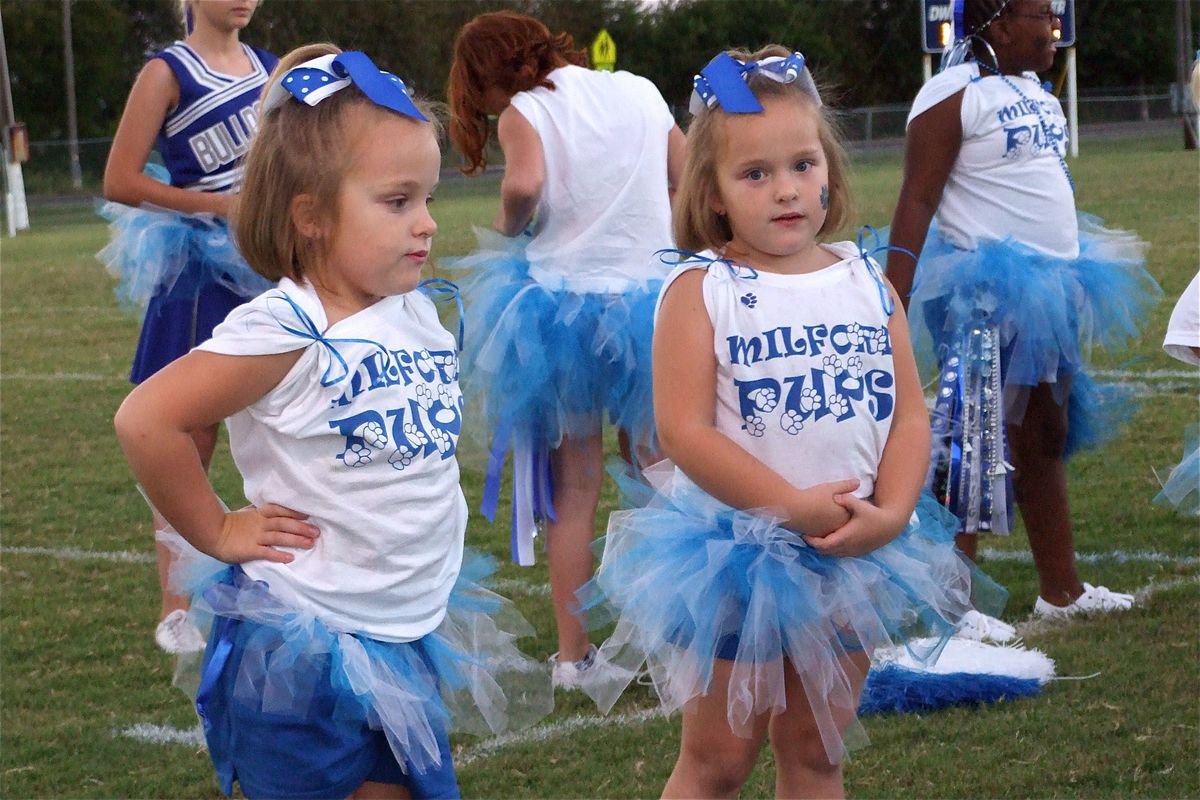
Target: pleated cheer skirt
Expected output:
[467,675]
[1004,318]
[689,579]
[181,272]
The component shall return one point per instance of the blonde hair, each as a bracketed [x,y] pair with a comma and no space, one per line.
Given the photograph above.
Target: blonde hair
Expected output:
[696,225]
[1196,84]
[299,150]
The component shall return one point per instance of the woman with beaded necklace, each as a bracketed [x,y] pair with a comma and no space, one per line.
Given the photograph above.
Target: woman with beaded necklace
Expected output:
[1013,286]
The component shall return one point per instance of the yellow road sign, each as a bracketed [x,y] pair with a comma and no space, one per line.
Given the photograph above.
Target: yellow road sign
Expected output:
[604,51]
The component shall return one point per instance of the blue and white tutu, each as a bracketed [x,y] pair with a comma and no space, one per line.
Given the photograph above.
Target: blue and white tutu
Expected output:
[181,272]
[689,579]
[1181,490]
[1004,318]
[541,363]
[467,675]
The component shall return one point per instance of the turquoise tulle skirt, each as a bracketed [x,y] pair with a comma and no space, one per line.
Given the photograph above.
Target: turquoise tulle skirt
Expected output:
[1003,319]
[181,273]
[467,675]
[1181,490]
[162,252]
[1049,312]
[545,363]
[541,363]
[689,580]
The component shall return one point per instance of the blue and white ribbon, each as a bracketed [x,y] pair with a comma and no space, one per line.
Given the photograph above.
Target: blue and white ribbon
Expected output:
[320,78]
[723,82]
[337,369]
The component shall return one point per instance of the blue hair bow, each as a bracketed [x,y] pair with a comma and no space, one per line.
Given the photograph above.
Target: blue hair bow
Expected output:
[723,82]
[322,77]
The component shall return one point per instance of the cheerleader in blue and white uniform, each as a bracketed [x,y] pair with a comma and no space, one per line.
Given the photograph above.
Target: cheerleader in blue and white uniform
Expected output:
[789,538]
[1013,287]
[348,633]
[196,102]
[562,313]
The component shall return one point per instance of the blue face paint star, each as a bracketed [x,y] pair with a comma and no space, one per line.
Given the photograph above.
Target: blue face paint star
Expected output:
[824,198]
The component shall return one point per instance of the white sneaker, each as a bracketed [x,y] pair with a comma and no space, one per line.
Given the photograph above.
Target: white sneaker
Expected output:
[1095,599]
[176,634]
[979,627]
[570,674]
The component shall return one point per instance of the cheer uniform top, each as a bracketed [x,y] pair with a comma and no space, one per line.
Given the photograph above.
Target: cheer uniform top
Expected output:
[183,271]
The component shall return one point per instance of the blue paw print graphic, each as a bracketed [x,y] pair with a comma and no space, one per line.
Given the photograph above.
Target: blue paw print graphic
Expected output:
[754,425]
[401,458]
[749,300]
[356,455]
[791,422]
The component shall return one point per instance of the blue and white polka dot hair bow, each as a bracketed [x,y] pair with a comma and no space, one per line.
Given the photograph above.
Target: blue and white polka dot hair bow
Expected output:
[322,77]
[723,82]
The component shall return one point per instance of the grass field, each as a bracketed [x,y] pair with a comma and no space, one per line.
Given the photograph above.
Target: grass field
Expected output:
[86,705]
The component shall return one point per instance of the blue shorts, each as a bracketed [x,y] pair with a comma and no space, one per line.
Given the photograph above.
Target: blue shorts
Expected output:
[317,756]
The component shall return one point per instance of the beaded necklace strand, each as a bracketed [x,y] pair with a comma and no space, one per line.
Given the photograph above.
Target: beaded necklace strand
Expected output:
[1037,110]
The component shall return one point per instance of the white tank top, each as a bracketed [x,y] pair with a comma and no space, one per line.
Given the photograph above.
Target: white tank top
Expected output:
[1008,180]
[605,207]
[361,435]
[805,380]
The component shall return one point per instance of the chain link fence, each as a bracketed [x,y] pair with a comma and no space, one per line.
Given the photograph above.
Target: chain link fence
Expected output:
[48,171]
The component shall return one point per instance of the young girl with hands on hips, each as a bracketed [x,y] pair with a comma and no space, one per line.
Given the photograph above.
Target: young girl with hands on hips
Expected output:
[346,634]
[782,548]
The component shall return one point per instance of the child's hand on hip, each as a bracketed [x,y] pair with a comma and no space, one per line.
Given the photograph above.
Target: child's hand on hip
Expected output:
[255,533]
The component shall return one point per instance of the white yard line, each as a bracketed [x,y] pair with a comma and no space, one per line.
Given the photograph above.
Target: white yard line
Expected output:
[163,734]
[516,586]
[77,554]
[1111,557]
[61,377]
[502,585]
[487,748]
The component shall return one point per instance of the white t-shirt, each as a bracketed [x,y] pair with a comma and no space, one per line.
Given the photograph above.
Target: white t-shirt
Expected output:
[1183,330]
[605,207]
[360,435]
[805,376]
[1008,180]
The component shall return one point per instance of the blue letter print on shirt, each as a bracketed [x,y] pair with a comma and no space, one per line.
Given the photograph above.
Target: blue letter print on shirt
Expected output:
[831,390]
[428,421]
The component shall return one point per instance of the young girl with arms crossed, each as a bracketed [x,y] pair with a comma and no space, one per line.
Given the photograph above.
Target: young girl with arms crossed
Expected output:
[196,103]
[1013,286]
[563,315]
[783,548]
[345,639]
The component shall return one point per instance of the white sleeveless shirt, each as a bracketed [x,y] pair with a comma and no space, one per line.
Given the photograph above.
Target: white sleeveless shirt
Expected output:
[360,435]
[1008,180]
[605,207]
[805,380]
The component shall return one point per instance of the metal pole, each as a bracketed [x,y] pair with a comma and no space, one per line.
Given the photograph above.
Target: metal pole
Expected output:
[69,78]
[926,68]
[1183,62]
[9,117]
[1073,102]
